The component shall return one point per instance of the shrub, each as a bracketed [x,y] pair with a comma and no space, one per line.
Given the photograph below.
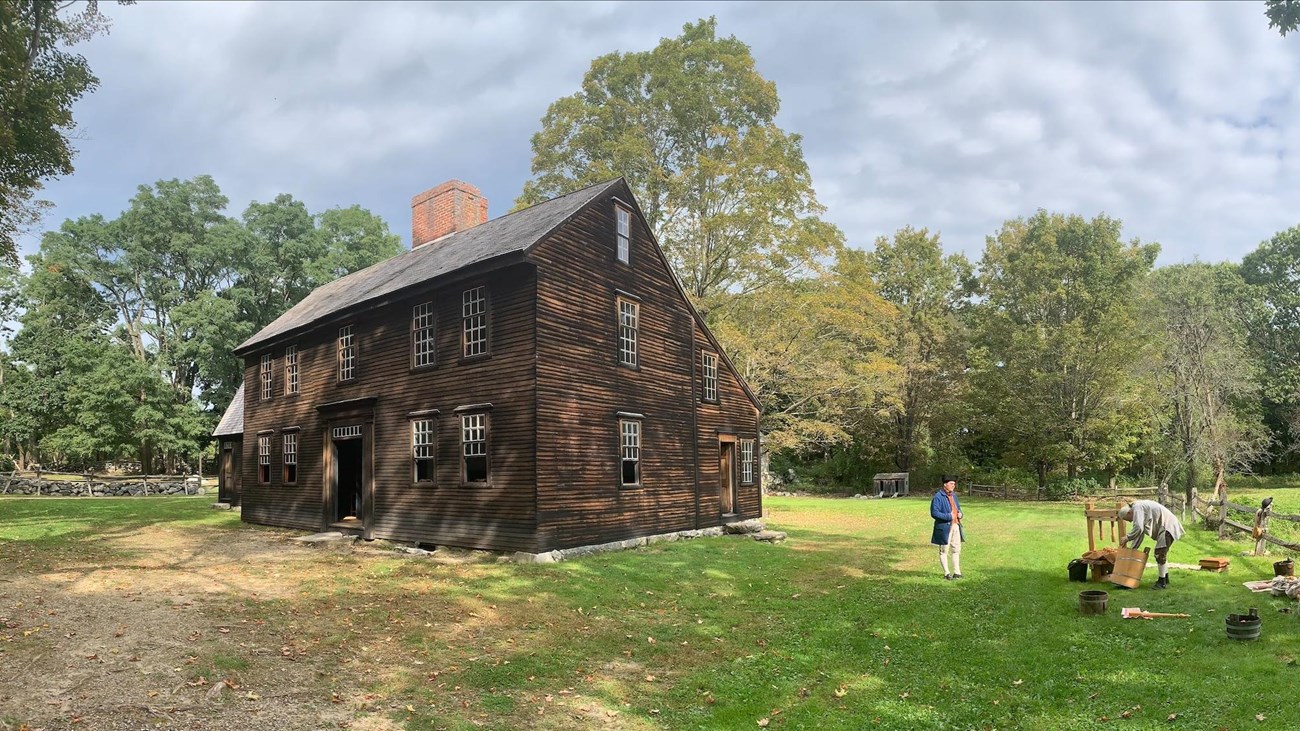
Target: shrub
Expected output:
[1067,489]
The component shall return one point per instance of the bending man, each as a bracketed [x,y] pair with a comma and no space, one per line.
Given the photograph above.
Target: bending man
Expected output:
[1150,518]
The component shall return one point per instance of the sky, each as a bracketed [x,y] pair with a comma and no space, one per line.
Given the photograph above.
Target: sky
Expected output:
[1178,118]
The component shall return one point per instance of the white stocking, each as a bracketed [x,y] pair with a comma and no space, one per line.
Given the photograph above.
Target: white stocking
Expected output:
[943,559]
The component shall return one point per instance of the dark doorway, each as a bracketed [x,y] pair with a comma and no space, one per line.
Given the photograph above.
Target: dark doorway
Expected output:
[349,473]
[727,478]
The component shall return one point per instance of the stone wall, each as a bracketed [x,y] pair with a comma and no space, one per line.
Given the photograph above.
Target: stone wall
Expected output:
[115,488]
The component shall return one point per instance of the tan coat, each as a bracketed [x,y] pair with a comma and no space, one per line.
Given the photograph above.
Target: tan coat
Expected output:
[1150,518]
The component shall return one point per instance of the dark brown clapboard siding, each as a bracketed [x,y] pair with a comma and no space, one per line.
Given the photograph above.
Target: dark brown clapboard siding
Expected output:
[580,387]
[499,517]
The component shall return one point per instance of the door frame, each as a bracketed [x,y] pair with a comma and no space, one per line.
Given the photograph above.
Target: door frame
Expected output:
[353,412]
[727,446]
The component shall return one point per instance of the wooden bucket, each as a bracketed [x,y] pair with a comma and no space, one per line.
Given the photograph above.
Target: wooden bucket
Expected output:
[1129,565]
[1092,602]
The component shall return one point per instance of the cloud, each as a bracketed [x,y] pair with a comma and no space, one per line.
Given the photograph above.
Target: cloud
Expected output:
[1177,118]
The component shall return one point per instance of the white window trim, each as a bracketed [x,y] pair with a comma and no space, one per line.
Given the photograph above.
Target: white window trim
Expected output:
[429,445]
[474,322]
[267,376]
[290,370]
[289,456]
[474,424]
[628,334]
[264,458]
[709,378]
[746,461]
[347,354]
[423,336]
[623,233]
[629,428]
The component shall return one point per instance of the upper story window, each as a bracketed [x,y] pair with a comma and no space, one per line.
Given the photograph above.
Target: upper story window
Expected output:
[347,354]
[474,312]
[630,451]
[422,446]
[266,376]
[629,317]
[291,370]
[747,461]
[264,460]
[422,335]
[290,458]
[623,217]
[474,447]
[709,363]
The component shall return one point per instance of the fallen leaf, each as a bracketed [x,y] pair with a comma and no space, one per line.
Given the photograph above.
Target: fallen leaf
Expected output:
[1172,717]
[763,722]
[1018,682]
[1126,714]
[1260,717]
[649,678]
[253,696]
[841,691]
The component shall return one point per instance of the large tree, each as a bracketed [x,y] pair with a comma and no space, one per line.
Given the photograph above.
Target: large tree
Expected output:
[1205,373]
[1054,370]
[1283,15]
[40,82]
[690,124]
[926,337]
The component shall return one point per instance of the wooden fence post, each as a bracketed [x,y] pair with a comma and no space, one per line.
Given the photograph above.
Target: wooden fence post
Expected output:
[9,481]
[1006,492]
[146,484]
[1223,513]
[89,492]
[1261,528]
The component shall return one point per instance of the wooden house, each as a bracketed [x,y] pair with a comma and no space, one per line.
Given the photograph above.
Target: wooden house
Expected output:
[534,382]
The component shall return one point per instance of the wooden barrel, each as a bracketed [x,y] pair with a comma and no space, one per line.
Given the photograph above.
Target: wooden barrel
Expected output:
[1129,565]
[1284,568]
[1243,626]
[1092,602]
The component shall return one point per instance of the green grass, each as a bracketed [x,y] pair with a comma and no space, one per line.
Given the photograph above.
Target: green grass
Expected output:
[847,625]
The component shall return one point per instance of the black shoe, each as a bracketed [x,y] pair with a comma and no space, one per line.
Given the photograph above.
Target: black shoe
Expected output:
[956,576]
[1161,583]
[947,577]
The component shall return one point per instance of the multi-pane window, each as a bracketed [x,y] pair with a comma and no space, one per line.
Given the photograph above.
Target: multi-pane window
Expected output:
[624,234]
[747,461]
[710,367]
[422,348]
[264,460]
[291,370]
[473,442]
[422,442]
[630,451]
[629,316]
[474,313]
[266,376]
[347,354]
[290,458]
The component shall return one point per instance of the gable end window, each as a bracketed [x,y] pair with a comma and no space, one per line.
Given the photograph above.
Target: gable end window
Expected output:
[629,321]
[474,448]
[266,376]
[474,333]
[291,370]
[746,461]
[422,449]
[347,354]
[709,364]
[422,335]
[264,460]
[629,452]
[290,458]
[623,233]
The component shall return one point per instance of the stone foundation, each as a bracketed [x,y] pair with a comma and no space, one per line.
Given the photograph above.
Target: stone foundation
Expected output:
[116,488]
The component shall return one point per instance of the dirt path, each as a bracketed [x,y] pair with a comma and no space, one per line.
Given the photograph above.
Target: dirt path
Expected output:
[149,637]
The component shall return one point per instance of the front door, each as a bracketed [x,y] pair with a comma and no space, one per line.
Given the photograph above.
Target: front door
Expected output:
[347,478]
[727,477]
[226,483]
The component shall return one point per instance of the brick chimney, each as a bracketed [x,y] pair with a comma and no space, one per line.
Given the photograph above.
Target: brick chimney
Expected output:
[445,209]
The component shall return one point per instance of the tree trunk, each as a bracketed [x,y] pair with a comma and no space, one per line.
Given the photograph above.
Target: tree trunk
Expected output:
[1042,475]
[1189,485]
[1071,470]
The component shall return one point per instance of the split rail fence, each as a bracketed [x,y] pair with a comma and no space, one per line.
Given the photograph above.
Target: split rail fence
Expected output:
[1219,513]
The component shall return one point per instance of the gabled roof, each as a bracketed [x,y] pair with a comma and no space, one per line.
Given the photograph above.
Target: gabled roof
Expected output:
[232,422]
[513,233]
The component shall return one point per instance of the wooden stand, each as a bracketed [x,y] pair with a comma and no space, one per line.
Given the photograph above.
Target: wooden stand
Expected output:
[1098,518]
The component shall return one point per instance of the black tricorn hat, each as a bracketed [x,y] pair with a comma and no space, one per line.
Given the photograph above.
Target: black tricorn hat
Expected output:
[948,478]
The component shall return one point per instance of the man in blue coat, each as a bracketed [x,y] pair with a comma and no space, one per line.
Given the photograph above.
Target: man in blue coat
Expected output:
[945,508]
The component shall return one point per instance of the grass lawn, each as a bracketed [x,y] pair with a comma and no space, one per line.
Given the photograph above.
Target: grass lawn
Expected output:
[847,625]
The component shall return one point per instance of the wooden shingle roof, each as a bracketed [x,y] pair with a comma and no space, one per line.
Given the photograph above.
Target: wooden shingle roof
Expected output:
[512,233]
[232,422]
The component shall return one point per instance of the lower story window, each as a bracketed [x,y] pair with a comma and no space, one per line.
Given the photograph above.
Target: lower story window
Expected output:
[422,442]
[474,447]
[746,461]
[291,458]
[264,460]
[630,451]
